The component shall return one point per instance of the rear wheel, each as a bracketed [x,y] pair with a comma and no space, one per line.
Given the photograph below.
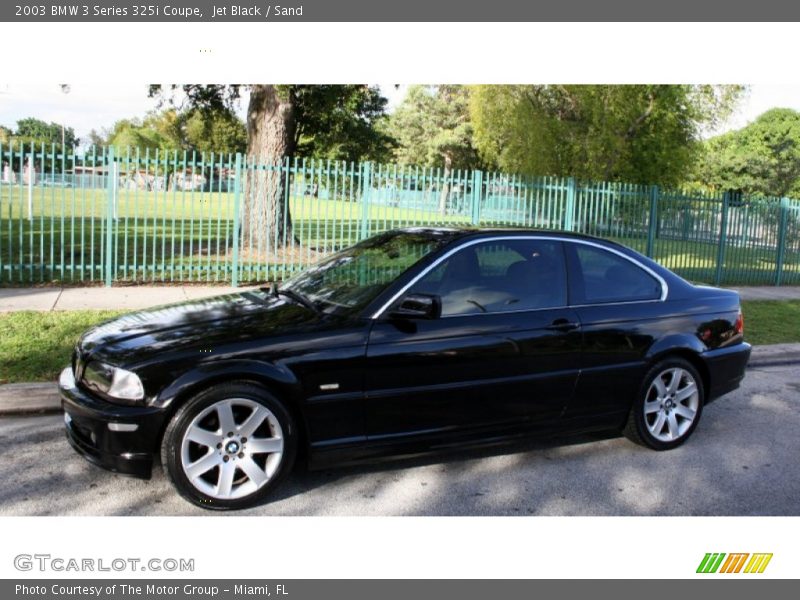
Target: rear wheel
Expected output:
[668,406]
[229,446]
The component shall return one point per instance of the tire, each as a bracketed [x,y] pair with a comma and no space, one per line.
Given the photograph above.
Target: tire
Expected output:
[666,410]
[229,446]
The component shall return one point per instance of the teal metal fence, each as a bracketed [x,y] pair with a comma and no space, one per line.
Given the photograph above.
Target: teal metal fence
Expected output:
[152,216]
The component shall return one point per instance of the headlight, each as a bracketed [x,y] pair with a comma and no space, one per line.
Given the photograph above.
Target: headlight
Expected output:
[113,381]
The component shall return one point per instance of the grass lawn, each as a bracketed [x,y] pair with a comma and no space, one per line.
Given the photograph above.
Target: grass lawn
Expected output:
[771,321]
[35,346]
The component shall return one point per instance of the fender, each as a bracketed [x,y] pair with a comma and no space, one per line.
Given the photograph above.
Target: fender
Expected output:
[208,373]
[672,342]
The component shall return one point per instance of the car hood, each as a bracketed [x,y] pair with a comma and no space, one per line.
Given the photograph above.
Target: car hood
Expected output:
[203,321]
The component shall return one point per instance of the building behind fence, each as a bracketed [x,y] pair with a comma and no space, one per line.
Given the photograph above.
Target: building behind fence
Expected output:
[153,216]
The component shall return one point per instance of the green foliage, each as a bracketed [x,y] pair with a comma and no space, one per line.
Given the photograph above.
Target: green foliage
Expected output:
[432,127]
[31,131]
[219,131]
[762,158]
[36,133]
[99,137]
[134,133]
[637,133]
[39,132]
[206,130]
[339,122]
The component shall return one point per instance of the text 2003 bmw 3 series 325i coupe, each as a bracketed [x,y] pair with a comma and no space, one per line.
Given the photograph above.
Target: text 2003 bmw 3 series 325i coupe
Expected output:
[411,340]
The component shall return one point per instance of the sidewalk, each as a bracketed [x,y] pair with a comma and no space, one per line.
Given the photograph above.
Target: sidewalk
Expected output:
[144,296]
[121,298]
[768,292]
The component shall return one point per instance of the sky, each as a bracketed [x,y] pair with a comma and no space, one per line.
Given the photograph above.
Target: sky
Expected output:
[90,106]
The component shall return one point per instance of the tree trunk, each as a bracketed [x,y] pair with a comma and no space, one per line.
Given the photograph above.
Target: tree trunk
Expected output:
[266,220]
[448,164]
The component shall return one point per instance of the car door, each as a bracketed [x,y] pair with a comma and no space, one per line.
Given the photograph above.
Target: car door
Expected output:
[504,351]
[618,304]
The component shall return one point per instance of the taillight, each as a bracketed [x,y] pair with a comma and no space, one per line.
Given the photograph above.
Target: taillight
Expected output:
[739,325]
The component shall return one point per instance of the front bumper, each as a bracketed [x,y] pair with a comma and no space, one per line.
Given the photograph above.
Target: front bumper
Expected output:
[123,439]
[726,367]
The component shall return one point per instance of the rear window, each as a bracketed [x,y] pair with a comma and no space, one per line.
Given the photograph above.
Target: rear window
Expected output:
[598,276]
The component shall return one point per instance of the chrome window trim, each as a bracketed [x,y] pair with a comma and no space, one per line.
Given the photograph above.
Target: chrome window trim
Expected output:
[662,282]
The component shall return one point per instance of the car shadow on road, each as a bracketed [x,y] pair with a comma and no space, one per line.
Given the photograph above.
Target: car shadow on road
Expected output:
[304,480]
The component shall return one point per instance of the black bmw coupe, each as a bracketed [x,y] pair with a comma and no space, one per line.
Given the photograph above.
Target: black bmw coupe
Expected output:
[410,341]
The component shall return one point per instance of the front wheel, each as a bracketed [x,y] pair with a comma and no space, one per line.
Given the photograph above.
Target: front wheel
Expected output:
[229,446]
[668,406]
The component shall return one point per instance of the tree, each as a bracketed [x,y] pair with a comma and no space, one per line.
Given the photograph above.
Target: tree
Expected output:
[5,135]
[35,133]
[99,137]
[210,130]
[432,127]
[219,131]
[341,122]
[282,120]
[38,132]
[762,158]
[141,135]
[639,133]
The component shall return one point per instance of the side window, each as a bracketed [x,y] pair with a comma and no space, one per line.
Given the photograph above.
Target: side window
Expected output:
[499,276]
[598,276]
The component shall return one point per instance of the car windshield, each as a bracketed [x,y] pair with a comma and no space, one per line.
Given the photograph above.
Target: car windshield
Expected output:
[352,278]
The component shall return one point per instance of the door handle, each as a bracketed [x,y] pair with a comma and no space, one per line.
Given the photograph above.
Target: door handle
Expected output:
[562,325]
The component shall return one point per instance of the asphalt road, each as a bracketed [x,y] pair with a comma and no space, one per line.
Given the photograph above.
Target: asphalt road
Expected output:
[741,460]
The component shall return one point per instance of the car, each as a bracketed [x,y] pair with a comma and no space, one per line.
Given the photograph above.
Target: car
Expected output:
[409,342]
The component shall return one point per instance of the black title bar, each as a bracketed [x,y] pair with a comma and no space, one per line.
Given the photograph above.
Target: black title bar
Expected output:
[108,11]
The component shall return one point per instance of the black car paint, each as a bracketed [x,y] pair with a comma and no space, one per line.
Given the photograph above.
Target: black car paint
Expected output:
[361,387]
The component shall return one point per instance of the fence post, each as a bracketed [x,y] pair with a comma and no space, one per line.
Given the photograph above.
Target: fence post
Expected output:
[110,209]
[723,229]
[652,226]
[31,175]
[237,219]
[115,188]
[569,215]
[477,196]
[366,187]
[781,252]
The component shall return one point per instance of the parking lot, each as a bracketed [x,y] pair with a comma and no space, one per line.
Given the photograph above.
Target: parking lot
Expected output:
[742,460]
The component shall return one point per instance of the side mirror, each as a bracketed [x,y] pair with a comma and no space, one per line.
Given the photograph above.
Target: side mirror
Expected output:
[418,306]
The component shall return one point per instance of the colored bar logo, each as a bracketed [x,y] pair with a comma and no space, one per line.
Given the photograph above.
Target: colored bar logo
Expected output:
[737,562]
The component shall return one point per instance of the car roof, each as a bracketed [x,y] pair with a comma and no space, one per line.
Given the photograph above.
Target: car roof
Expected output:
[458,233]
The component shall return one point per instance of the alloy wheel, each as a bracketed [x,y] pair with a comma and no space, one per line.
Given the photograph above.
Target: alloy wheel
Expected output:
[232,448]
[671,404]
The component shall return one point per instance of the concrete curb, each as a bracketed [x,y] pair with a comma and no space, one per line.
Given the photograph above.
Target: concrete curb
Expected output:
[42,397]
[774,354]
[29,398]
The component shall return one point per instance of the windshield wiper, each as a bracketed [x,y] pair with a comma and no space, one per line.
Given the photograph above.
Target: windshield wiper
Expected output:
[296,296]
